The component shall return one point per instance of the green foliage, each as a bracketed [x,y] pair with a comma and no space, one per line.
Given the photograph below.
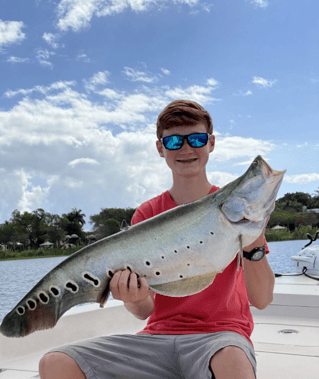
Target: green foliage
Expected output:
[40,253]
[299,233]
[109,220]
[33,229]
[296,201]
[282,217]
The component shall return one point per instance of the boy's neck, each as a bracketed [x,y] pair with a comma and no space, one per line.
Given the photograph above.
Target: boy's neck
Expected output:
[186,190]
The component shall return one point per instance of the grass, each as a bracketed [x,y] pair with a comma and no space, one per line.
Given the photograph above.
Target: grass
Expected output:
[40,253]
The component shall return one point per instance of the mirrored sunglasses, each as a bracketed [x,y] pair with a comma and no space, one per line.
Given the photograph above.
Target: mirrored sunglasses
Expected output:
[175,142]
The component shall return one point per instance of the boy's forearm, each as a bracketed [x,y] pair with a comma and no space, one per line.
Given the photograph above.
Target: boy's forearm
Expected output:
[260,281]
[143,309]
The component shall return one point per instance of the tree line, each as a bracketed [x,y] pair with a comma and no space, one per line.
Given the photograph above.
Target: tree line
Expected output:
[30,229]
[296,209]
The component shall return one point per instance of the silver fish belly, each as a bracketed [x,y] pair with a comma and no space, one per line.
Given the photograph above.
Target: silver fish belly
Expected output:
[179,252]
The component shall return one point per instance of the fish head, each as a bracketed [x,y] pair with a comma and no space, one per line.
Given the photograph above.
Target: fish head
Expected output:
[250,199]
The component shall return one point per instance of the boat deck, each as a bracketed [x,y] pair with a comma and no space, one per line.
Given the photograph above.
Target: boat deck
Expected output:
[293,354]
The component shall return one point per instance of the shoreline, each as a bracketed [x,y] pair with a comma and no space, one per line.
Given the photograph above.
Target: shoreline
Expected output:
[65,254]
[36,254]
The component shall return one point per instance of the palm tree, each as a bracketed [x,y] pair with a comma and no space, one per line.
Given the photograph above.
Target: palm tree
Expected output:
[74,222]
[77,216]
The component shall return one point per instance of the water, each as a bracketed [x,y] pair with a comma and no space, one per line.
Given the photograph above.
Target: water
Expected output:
[18,277]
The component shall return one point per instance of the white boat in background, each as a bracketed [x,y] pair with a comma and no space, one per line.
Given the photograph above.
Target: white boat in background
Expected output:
[286,333]
[307,260]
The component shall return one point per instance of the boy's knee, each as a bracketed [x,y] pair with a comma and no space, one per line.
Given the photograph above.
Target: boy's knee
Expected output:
[60,366]
[231,359]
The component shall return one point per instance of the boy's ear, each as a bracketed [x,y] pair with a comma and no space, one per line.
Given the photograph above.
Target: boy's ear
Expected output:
[212,143]
[159,147]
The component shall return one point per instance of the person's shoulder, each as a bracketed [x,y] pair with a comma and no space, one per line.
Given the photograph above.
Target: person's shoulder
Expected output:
[152,207]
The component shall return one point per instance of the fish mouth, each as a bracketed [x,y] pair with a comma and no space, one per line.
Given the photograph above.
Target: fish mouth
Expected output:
[244,221]
[268,172]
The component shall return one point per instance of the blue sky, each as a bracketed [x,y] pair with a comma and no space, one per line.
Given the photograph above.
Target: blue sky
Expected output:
[82,83]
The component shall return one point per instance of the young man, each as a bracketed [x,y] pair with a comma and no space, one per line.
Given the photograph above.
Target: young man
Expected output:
[206,335]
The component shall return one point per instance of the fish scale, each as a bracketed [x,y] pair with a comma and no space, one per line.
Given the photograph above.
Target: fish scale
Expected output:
[179,251]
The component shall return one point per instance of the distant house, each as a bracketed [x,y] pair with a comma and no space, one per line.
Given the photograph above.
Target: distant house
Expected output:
[47,245]
[278,227]
[305,210]
[315,210]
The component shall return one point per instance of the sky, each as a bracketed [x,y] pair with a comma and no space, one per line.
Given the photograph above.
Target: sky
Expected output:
[83,81]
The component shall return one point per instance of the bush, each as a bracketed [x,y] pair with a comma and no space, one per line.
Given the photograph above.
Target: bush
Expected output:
[2,255]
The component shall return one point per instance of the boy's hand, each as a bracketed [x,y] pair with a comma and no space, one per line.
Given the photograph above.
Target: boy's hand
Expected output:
[126,286]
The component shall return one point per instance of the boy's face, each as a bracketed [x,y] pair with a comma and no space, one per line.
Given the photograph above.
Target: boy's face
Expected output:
[186,161]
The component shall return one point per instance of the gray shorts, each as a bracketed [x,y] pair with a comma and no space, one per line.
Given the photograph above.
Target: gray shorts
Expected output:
[147,356]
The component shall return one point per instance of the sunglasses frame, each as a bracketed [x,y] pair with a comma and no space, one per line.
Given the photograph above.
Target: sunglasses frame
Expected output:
[185,136]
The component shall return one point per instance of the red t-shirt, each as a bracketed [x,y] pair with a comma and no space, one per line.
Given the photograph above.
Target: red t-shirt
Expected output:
[223,306]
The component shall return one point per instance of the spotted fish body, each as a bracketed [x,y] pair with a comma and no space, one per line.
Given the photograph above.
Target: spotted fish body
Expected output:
[179,252]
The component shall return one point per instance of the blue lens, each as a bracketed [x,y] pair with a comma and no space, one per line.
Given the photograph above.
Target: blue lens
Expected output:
[198,139]
[173,142]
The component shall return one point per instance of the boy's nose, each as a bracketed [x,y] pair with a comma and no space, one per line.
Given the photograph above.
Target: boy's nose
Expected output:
[185,145]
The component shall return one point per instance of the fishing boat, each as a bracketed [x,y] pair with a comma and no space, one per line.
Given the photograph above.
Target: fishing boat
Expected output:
[285,337]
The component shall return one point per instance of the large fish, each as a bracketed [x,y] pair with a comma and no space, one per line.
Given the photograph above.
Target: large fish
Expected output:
[179,252]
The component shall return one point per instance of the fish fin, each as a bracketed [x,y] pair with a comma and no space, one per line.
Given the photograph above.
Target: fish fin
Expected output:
[240,255]
[104,295]
[184,287]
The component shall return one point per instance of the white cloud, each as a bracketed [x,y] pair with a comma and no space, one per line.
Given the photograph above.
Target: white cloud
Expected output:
[241,93]
[100,78]
[83,160]
[139,76]
[302,178]
[32,197]
[43,57]
[165,71]
[234,147]
[220,178]
[51,39]
[83,57]
[77,14]
[302,145]
[10,32]
[260,3]
[261,82]
[201,94]
[111,94]
[206,7]
[212,82]
[41,89]
[18,60]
